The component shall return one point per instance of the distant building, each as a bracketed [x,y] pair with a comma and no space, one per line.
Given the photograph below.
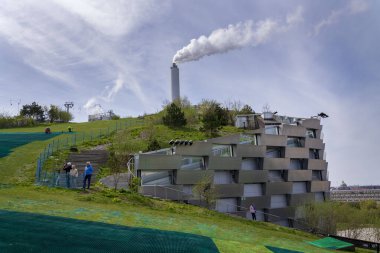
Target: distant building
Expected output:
[355,193]
[277,163]
[101,116]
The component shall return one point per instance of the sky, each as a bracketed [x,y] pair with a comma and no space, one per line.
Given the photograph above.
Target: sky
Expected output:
[300,57]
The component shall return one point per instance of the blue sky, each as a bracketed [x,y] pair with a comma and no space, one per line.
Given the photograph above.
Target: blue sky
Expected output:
[118,54]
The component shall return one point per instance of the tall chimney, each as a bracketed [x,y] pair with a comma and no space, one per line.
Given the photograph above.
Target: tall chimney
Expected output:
[175,82]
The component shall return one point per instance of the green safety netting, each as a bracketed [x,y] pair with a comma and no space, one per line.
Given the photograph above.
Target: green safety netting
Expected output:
[26,232]
[281,250]
[9,141]
[331,243]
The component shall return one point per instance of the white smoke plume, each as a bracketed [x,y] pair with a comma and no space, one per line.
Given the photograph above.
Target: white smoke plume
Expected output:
[233,37]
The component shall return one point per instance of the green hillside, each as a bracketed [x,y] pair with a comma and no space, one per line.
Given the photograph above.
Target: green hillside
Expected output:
[230,234]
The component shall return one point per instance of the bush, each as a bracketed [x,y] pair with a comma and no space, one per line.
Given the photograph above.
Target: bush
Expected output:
[174,116]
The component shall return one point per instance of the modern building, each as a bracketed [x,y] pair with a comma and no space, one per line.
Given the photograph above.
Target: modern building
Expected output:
[276,164]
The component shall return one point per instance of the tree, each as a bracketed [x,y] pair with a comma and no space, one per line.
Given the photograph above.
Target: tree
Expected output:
[246,110]
[205,190]
[153,145]
[65,116]
[118,164]
[213,117]
[33,111]
[53,113]
[174,116]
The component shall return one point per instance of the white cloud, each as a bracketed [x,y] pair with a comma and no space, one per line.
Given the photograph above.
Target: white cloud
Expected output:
[353,7]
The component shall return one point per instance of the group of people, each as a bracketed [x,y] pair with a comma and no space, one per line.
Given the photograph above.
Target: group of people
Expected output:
[72,174]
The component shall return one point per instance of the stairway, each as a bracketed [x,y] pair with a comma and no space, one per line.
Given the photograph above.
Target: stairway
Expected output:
[96,157]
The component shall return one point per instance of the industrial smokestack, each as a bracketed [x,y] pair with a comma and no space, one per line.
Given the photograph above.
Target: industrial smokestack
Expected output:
[175,82]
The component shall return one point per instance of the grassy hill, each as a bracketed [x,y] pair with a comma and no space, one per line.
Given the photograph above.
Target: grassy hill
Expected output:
[124,208]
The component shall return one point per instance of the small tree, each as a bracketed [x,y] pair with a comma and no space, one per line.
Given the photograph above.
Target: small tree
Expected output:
[153,145]
[174,116]
[34,111]
[205,190]
[246,110]
[213,118]
[118,164]
[53,113]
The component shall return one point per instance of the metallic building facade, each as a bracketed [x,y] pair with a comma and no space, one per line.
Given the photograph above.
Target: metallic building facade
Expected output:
[277,164]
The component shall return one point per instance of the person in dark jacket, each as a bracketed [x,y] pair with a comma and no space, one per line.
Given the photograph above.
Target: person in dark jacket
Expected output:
[67,168]
[88,170]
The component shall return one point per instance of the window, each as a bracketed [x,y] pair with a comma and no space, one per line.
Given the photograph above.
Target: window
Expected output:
[295,142]
[274,152]
[278,201]
[270,129]
[192,163]
[253,190]
[276,176]
[253,139]
[310,133]
[157,177]
[223,177]
[317,175]
[313,153]
[250,164]
[296,164]
[299,187]
[222,150]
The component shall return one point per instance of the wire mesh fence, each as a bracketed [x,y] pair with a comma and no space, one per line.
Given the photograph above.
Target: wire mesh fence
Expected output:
[48,175]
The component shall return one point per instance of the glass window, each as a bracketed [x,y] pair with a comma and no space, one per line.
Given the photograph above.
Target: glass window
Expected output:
[313,153]
[319,196]
[276,176]
[272,130]
[311,133]
[278,201]
[250,164]
[253,190]
[295,142]
[157,177]
[317,175]
[253,139]
[223,177]
[192,163]
[222,150]
[299,187]
[296,164]
[273,152]
[226,205]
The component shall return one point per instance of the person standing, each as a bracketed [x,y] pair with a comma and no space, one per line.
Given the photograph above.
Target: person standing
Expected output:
[87,175]
[252,210]
[74,175]
[67,168]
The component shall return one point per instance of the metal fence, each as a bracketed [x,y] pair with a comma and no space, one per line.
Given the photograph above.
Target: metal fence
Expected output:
[45,176]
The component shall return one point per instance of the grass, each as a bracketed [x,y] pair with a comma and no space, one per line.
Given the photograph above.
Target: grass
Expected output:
[229,234]
[17,193]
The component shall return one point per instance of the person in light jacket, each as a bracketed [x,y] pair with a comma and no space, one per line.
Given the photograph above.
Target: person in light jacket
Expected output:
[74,175]
[252,210]
[87,175]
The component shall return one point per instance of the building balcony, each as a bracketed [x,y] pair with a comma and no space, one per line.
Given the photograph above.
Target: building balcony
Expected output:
[260,202]
[273,140]
[295,152]
[319,186]
[298,175]
[314,143]
[316,164]
[250,151]
[224,163]
[229,190]
[276,163]
[159,162]
[273,188]
[312,123]
[253,176]
[197,149]
[295,131]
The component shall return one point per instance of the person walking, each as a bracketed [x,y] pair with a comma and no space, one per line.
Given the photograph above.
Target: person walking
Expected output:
[67,168]
[252,210]
[87,175]
[74,175]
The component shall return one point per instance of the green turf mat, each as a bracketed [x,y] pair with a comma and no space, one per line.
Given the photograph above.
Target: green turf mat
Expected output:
[331,243]
[281,250]
[9,141]
[25,232]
